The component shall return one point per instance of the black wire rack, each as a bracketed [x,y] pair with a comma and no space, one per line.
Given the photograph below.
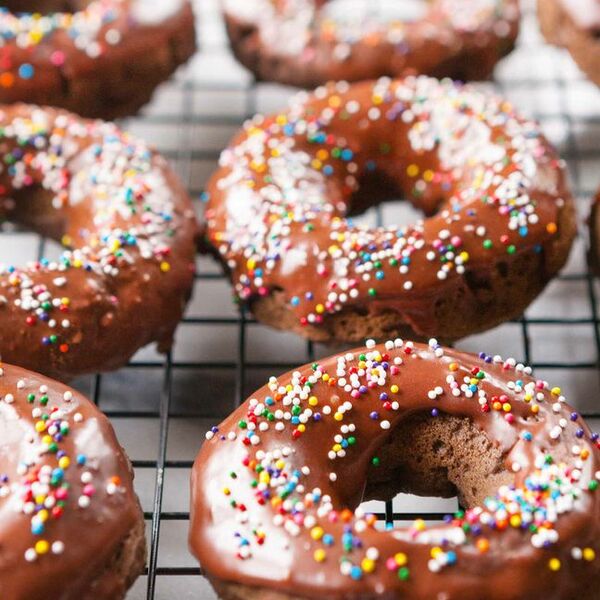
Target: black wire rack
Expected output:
[162,405]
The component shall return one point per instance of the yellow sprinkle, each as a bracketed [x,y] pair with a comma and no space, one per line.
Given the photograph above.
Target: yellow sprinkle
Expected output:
[226,491]
[40,426]
[419,525]
[316,533]
[412,170]
[554,564]
[368,565]
[43,515]
[555,391]
[338,416]
[64,462]
[165,266]
[42,547]
[320,309]
[319,555]
[302,428]
[313,401]
[394,389]
[589,554]
[436,551]
[400,559]
[428,175]
[515,521]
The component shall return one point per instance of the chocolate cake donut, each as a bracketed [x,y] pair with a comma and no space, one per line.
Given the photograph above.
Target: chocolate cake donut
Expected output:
[309,42]
[98,58]
[501,227]
[276,486]
[129,230]
[574,25]
[71,527]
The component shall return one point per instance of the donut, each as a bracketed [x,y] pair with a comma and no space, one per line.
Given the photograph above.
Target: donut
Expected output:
[500,221]
[72,527]
[98,58]
[276,486]
[309,42]
[574,25]
[128,228]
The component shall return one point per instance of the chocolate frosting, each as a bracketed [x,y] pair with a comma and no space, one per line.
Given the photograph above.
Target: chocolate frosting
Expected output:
[66,491]
[306,43]
[129,228]
[494,187]
[272,482]
[60,56]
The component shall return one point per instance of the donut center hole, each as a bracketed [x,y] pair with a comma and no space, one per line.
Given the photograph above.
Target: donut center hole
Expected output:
[44,7]
[376,11]
[441,456]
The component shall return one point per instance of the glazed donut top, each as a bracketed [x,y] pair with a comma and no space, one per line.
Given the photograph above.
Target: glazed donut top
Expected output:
[304,28]
[277,206]
[276,485]
[66,494]
[128,228]
[38,37]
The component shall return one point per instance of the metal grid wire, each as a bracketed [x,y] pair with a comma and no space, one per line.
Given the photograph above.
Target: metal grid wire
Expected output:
[162,405]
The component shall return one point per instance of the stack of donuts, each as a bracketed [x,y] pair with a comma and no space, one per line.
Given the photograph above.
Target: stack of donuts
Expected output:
[276,489]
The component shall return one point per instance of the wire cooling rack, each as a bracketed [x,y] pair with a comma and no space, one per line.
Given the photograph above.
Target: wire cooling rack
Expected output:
[161,406]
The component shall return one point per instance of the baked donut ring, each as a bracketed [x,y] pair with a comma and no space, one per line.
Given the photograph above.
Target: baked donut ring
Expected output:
[129,228]
[98,58]
[71,526]
[307,43]
[574,25]
[276,486]
[502,223]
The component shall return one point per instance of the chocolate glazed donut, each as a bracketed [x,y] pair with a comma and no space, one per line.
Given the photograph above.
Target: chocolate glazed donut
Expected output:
[297,42]
[276,485]
[129,230]
[71,527]
[501,227]
[574,25]
[98,58]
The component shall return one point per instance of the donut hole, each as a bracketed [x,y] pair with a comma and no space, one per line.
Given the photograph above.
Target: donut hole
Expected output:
[44,7]
[443,456]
